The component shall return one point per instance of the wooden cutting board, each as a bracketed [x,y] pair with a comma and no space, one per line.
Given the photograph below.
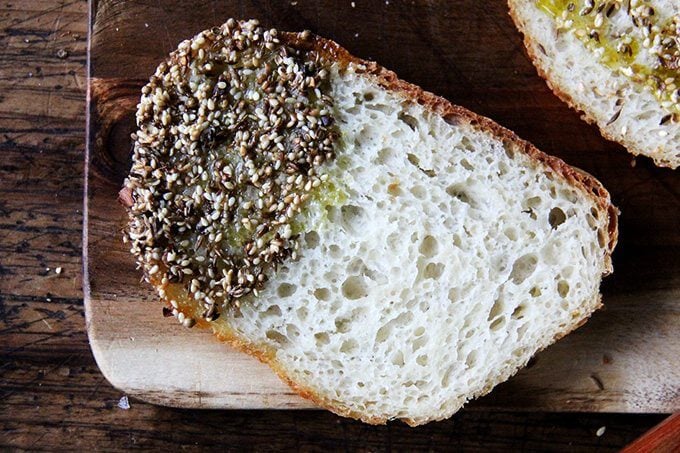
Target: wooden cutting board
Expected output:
[627,358]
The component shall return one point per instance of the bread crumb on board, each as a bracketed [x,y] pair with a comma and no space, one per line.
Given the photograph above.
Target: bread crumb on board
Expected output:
[124,403]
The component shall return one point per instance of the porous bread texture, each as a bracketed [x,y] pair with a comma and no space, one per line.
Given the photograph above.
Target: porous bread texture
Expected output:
[575,74]
[454,259]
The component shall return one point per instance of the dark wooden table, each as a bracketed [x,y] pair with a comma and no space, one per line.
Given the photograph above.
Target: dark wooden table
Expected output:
[52,395]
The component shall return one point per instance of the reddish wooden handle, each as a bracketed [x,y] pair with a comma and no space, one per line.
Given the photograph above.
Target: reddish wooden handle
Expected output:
[664,437]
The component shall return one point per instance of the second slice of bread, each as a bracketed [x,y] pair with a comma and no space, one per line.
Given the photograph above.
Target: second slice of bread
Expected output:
[623,110]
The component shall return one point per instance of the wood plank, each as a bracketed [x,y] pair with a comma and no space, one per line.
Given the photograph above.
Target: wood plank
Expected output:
[52,394]
[624,359]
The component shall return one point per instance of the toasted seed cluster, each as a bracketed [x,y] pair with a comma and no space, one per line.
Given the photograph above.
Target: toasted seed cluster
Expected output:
[588,20]
[233,131]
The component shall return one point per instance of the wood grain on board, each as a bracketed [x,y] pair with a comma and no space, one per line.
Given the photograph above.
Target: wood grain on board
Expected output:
[625,359]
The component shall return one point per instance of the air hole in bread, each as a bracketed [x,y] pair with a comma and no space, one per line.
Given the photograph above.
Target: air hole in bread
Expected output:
[509,151]
[419,342]
[276,337]
[503,169]
[273,310]
[408,120]
[419,192]
[592,223]
[464,162]
[563,288]
[322,338]
[354,110]
[458,191]
[518,312]
[398,358]
[333,214]
[471,359]
[286,290]
[351,215]
[369,96]
[419,331]
[393,240]
[343,325]
[292,331]
[302,313]
[556,217]
[429,246]
[446,378]
[522,330]
[410,301]
[413,159]
[421,360]
[533,202]
[510,233]
[433,270]
[384,156]
[497,324]
[454,294]
[334,251]
[570,195]
[322,293]
[531,212]
[312,239]
[357,266]
[349,346]
[467,144]
[601,238]
[523,268]
[496,309]
[354,287]
[535,291]
[383,333]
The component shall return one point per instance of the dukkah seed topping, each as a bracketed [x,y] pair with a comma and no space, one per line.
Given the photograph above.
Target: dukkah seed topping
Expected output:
[233,131]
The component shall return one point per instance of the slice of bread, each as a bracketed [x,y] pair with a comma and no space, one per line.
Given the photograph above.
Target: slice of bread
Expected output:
[568,51]
[445,253]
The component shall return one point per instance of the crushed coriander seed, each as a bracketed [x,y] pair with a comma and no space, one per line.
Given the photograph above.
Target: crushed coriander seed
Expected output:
[234,130]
